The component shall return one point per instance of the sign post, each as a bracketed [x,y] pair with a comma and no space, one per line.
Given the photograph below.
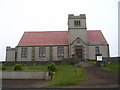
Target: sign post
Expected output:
[99,59]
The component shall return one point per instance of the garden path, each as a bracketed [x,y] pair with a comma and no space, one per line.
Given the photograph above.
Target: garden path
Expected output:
[97,78]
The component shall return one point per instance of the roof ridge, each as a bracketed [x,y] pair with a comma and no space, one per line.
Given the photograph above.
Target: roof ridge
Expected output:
[43,31]
[54,31]
[93,30]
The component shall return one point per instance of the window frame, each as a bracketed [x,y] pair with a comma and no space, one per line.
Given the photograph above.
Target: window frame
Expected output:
[24,52]
[97,49]
[77,23]
[60,51]
[42,51]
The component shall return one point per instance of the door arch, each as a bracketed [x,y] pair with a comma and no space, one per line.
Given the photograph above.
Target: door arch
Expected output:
[78,52]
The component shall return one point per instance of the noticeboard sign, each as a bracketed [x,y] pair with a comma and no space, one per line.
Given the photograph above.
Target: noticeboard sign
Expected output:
[99,58]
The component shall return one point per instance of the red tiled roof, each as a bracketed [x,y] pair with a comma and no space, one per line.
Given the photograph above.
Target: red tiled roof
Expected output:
[48,38]
[95,36]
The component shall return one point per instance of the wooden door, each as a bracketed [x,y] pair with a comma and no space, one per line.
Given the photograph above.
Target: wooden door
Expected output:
[79,52]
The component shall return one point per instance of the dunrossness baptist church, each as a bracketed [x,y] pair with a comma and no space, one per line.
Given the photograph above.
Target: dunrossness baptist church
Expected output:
[56,45]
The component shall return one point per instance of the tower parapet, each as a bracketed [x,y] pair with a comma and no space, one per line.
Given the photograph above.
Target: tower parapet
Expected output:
[77,22]
[72,16]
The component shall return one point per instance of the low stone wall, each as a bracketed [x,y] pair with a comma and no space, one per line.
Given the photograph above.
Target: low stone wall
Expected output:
[24,63]
[111,59]
[63,61]
[25,75]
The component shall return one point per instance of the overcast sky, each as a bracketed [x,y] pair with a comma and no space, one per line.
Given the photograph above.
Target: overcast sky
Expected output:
[17,16]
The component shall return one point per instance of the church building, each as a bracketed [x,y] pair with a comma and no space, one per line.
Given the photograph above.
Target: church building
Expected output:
[56,45]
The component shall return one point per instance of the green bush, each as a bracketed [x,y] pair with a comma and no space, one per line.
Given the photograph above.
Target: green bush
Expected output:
[51,73]
[3,67]
[52,68]
[17,67]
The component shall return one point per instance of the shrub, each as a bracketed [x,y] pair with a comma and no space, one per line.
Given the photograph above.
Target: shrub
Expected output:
[17,67]
[3,67]
[52,68]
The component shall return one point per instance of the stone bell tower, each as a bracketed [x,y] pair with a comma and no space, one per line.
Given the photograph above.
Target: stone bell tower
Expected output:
[77,35]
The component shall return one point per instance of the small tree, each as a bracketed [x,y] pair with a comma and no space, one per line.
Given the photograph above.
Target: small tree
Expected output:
[17,67]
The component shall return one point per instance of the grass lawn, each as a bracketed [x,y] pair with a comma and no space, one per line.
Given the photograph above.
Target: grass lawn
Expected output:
[112,67]
[68,75]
